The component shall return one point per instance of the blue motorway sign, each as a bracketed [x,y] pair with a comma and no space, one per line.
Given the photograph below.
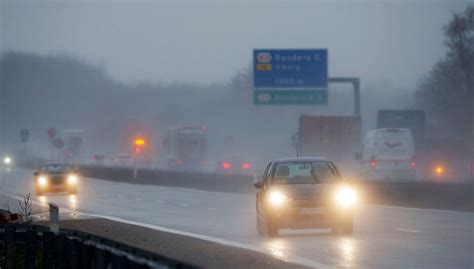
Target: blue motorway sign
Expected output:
[287,76]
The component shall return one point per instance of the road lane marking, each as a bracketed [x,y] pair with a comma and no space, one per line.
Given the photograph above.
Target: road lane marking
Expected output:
[407,230]
[159,201]
[211,208]
[289,259]
[183,204]
[139,199]
[424,209]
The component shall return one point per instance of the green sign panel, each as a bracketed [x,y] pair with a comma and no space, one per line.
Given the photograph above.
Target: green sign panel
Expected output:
[290,97]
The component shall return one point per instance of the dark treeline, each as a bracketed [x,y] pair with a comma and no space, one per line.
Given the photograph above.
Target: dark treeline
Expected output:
[447,93]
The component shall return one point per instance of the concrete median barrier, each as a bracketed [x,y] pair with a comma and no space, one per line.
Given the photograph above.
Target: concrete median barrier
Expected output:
[434,195]
[201,181]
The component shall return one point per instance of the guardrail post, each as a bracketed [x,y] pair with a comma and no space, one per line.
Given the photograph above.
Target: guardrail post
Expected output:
[9,246]
[30,257]
[53,218]
[48,250]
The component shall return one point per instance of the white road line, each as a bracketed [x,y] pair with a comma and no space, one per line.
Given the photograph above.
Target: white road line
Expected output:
[159,201]
[289,259]
[424,210]
[121,196]
[407,230]
[139,199]
[183,204]
[211,208]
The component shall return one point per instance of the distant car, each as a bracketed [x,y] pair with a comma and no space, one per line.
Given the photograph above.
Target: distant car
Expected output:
[234,165]
[123,160]
[302,193]
[56,177]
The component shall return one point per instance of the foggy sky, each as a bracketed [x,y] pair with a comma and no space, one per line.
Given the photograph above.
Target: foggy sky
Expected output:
[204,42]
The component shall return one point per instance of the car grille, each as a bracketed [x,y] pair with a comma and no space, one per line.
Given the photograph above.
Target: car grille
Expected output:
[309,200]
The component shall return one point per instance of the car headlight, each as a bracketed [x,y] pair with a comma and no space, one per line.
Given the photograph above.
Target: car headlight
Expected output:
[43,181]
[346,197]
[277,198]
[7,160]
[72,179]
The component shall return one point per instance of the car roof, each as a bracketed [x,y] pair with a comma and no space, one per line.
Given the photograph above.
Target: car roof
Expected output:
[300,159]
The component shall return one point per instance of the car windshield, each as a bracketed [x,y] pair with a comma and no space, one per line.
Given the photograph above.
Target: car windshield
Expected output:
[304,173]
[56,168]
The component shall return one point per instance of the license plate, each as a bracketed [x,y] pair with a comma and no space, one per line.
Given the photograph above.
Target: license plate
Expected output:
[311,210]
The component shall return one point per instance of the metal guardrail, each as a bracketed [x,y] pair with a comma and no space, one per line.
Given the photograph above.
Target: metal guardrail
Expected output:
[34,246]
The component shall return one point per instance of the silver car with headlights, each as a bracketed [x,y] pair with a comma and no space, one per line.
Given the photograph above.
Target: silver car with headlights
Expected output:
[302,193]
[56,177]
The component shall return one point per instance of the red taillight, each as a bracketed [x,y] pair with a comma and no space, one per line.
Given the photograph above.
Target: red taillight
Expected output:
[179,162]
[246,166]
[226,165]
[373,163]
[413,164]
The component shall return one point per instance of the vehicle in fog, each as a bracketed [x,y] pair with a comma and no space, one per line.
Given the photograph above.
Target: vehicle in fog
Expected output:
[335,137]
[98,159]
[446,160]
[389,154]
[123,160]
[186,147]
[299,193]
[56,177]
[234,165]
[7,161]
[73,139]
[408,118]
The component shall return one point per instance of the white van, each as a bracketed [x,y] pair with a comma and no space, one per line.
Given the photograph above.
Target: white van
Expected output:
[389,154]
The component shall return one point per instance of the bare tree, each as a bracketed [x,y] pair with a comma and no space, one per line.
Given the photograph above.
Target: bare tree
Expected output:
[447,93]
[26,209]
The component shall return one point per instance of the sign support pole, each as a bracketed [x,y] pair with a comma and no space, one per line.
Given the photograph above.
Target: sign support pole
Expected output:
[355,81]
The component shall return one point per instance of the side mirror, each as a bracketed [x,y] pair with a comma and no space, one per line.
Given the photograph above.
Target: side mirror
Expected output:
[36,173]
[259,185]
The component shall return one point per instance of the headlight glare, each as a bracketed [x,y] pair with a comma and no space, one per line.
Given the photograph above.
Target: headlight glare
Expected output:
[277,198]
[346,197]
[43,181]
[72,179]
[7,160]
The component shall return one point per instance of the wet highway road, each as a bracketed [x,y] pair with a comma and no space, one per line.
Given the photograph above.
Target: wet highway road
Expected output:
[384,237]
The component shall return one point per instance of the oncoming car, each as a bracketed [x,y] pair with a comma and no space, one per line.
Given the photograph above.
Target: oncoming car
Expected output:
[302,193]
[56,177]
